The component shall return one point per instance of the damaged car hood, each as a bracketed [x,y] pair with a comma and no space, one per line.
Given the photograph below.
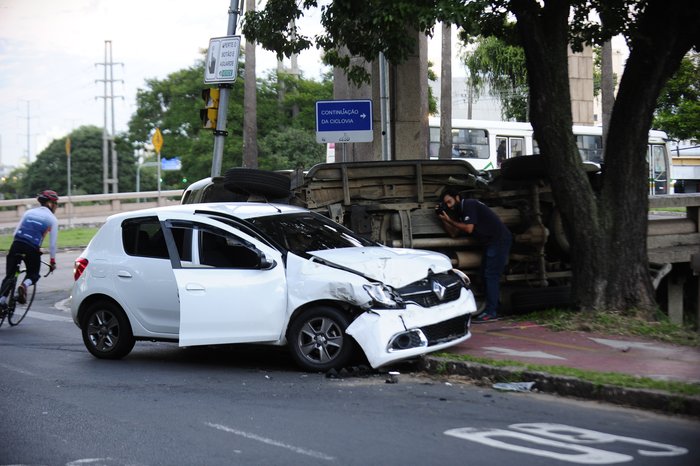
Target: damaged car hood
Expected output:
[392,266]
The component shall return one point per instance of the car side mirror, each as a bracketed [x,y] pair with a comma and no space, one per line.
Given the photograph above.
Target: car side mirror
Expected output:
[265,263]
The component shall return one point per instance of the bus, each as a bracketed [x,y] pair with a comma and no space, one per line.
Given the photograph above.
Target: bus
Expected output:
[486,144]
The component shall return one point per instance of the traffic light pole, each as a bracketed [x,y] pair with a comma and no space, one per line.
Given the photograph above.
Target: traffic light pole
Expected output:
[225,89]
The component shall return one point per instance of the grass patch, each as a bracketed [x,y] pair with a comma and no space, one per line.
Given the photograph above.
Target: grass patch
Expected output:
[600,378]
[67,238]
[668,209]
[615,323]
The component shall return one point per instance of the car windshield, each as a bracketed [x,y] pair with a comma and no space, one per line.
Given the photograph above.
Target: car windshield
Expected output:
[304,232]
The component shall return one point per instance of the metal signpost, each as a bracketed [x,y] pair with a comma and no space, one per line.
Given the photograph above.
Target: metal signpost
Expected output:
[344,121]
[220,68]
[222,60]
[157,141]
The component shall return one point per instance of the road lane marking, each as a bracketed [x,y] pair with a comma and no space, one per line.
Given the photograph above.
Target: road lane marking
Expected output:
[49,317]
[268,441]
[539,341]
[621,344]
[17,369]
[521,354]
[562,442]
[63,305]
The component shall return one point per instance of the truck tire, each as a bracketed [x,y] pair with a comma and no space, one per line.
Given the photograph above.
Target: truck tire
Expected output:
[526,300]
[253,181]
[525,167]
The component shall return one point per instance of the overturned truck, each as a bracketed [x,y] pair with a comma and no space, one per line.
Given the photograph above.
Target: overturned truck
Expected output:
[393,203]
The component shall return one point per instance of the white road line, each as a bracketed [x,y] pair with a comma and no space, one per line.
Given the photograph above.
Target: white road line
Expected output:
[625,345]
[63,305]
[17,369]
[248,435]
[48,317]
[521,354]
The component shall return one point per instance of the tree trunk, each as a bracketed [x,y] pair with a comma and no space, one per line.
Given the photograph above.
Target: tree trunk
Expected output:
[445,151]
[543,32]
[609,257]
[657,49]
[250,103]
[607,88]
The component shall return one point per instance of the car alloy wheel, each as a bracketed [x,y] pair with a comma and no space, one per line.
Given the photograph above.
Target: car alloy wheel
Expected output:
[106,331]
[318,340]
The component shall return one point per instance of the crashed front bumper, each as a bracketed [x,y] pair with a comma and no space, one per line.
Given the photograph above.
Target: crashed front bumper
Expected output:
[389,335]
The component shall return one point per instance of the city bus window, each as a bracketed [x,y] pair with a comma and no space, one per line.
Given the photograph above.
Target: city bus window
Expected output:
[590,147]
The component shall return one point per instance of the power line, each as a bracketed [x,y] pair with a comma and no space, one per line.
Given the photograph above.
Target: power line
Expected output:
[107,137]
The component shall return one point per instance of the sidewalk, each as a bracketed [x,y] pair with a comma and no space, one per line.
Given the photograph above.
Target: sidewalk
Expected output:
[534,344]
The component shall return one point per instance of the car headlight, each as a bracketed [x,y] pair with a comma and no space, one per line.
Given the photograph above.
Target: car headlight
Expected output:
[383,296]
[463,276]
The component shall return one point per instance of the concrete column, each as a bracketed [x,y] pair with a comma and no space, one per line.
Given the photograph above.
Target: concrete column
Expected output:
[581,86]
[675,287]
[408,107]
[409,104]
[344,89]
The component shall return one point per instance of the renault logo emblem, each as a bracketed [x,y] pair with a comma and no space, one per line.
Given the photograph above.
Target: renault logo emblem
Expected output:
[439,290]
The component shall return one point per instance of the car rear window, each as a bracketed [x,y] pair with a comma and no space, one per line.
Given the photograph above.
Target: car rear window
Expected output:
[144,237]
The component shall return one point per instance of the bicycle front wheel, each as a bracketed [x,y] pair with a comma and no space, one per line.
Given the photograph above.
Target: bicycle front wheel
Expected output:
[17,311]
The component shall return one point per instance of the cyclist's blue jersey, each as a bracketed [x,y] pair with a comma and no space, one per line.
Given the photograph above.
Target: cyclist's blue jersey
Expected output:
[34,225]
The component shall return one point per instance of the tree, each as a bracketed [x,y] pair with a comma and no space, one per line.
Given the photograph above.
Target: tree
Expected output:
[290,148]
[49,170]
[678,110]
[608,232]
[500,68]
[173,105]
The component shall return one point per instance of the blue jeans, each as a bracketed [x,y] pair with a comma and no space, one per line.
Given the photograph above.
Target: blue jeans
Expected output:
[493,262]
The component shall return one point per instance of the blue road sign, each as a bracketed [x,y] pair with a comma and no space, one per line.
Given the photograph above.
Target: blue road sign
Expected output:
[344,121]
[170,164]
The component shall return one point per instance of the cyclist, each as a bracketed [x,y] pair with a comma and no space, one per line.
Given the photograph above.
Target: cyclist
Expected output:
[29,235]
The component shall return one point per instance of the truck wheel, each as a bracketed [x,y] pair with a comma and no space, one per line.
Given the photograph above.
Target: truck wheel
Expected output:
[524,168]
[253,181]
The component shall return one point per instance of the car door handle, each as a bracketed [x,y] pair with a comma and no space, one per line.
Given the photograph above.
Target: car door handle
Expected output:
[194,287]
[123,274]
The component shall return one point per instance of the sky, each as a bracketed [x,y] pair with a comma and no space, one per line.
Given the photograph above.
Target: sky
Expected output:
[49,51]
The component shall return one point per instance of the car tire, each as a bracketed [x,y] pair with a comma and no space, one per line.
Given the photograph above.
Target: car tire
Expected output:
[318,341]
[106,331]
[253,181]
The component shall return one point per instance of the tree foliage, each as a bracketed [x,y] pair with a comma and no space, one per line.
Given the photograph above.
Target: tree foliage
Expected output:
[173,105]
[678,111]
[363,28]
[50,169]
[499,67]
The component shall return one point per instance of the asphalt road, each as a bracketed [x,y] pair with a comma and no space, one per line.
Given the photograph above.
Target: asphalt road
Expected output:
[163,405]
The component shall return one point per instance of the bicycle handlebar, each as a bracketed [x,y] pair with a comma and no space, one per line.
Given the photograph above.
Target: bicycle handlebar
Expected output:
[50,269]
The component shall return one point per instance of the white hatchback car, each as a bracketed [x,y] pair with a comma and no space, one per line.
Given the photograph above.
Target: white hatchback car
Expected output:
[205,274]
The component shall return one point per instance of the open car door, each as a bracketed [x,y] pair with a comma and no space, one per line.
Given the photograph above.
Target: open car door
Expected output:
[232,287]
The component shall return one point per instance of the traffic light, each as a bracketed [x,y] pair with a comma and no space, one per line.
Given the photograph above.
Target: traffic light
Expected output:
[211,108]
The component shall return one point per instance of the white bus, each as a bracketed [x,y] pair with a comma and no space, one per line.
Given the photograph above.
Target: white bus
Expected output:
[485,144]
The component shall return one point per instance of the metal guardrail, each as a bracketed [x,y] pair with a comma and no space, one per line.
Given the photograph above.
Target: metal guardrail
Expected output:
[90,205]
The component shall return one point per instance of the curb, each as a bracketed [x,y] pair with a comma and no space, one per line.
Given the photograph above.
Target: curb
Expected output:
[654,400]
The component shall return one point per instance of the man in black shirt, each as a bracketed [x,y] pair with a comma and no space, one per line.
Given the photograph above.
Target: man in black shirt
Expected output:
[473,218]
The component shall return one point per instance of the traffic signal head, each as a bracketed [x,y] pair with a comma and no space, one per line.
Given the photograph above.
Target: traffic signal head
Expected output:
[211,108]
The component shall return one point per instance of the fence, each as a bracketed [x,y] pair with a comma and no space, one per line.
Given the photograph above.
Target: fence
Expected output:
[95,207]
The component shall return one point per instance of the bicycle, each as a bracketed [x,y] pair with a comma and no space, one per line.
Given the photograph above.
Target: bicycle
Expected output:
[13,310]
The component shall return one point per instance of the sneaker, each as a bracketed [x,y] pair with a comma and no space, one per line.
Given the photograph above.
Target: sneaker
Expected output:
[484,318]
[22,294]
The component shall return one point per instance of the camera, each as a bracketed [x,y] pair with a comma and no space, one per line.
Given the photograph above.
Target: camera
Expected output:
[441,208]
